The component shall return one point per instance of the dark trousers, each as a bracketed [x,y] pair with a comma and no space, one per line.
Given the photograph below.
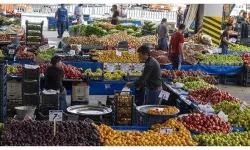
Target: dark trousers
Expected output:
[224,48]
[62,100]
[61,25]
[176,61]
[151,97]
[163,44]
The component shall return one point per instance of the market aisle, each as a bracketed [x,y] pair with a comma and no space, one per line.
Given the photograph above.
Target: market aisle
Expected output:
[52,37]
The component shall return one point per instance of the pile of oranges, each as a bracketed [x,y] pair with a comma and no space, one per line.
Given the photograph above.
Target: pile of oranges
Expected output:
[165,111]
[182,137]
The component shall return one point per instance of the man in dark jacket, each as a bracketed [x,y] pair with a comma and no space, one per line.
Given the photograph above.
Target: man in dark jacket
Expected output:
[53,81]
[151,77]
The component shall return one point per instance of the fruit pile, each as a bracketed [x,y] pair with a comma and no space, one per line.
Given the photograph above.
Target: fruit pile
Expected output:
[41,133]
[209,79]
[89,72]
[236,116]
[110,137]
[195,85]
[170,123]
[75,58]
[47,54]
[117,75]
[24,55]
[238,47]
[202,123]
[246,59]
[181,74]
[213,95]
[226,60]
[165,111]
[234,139]
[1,53]
[110,56]
[149,26]
[15,70]
[110,40]
[135,74]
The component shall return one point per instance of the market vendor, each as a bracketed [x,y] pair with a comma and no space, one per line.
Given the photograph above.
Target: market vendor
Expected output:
[224,38]
[53,81]
[61,18]
[151,77]
[162,34]
[176,47]
[115,15]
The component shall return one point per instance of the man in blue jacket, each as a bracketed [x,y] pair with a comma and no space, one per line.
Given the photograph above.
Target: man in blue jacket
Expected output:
[61,18]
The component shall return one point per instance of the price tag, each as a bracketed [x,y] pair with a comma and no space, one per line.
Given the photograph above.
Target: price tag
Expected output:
[131,51]
[125,67]
[11,51]
[138,67]
[243,106]
[107,86]
[110,67]
[118,53]
[166,130]
[55,115]
[164,95]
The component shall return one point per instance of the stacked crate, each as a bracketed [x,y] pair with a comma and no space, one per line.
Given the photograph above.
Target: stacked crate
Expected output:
[245,77]
[3,91]
[31,86]
[123,109]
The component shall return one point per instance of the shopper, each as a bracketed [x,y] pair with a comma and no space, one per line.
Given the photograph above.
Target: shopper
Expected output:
[244,26]
[179,17]
[151,77]
[176,47]
[61,18]
[78,12]
[224,39]
[53,81]
[115,15]
[163,35]
[185,13]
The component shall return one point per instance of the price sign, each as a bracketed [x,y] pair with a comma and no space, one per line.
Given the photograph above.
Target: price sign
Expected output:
[125,67]
[138,67]
[55,115]
[243,106]
[11,51]
[166,130]
[131,51]
[118,53]
[164,95]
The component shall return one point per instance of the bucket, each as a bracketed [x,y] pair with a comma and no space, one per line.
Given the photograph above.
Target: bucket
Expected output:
[23,111]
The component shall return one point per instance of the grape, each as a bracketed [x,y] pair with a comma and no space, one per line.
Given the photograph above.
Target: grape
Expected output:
[40,133]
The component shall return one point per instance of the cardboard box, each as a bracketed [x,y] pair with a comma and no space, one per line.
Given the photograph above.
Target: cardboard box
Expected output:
[80,92]
[14,90]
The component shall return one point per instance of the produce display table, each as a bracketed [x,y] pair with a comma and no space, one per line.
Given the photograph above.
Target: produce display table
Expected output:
[210,69]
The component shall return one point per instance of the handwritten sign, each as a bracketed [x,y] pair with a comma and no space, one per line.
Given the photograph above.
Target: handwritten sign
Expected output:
[243,106]
[55,115]
[164,95]
[166,130]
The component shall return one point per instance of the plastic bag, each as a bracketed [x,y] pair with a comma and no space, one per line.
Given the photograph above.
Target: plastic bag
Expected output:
[223,116]
[206,39]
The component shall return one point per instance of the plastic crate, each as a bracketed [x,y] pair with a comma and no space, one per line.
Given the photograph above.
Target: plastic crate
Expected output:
[3,117]
[31,100]
[230,80]
[30,87]
[11,104]
[50,101]
[31,74]
[123,121]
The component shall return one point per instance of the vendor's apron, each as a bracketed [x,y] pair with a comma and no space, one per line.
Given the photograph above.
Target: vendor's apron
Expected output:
[224,48]
[163,44]
[151,97]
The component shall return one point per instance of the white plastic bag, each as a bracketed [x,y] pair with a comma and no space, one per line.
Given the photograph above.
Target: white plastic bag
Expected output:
[206,39]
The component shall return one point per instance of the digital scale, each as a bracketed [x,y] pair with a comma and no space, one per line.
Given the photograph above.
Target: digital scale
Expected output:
[150,45]
[123,46]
